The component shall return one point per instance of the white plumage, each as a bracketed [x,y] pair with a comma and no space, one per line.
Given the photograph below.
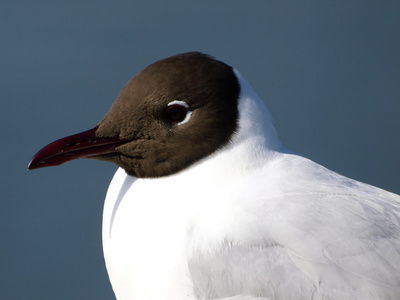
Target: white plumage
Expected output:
[251,221]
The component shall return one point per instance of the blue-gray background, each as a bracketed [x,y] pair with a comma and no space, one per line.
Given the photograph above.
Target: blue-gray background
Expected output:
[328,70]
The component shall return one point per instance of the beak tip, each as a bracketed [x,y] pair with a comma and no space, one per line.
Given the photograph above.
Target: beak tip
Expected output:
[32,165]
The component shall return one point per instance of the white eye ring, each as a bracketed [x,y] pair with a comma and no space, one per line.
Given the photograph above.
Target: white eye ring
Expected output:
[184,104]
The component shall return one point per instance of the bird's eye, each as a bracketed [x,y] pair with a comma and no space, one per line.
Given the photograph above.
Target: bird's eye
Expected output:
[175,113]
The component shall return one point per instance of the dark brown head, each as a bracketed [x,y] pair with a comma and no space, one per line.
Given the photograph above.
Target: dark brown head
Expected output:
[170,115]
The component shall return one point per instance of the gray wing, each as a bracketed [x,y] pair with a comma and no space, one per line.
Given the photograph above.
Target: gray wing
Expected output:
[334,239]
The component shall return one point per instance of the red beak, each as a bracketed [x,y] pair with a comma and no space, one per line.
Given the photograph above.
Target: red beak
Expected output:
[81,145]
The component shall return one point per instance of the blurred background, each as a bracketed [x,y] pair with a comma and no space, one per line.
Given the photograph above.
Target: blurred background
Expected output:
[329,71]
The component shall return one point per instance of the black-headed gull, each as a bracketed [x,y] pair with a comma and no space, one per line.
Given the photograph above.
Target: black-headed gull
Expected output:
[207,203]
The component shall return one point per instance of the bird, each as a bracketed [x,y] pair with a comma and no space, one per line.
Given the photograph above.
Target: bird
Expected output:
[208,204]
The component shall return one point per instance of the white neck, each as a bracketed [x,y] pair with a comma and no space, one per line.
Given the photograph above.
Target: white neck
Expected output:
[255,120]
